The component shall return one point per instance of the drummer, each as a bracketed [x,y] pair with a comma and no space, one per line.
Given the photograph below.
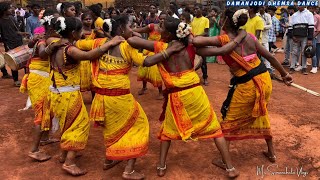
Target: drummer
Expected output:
[10,36]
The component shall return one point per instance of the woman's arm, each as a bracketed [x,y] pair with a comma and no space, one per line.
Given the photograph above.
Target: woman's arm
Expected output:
[43,53]
[274,62]
[79,55]
[145,29]
[155,59]
[201,41]
[215,51]
[139,43]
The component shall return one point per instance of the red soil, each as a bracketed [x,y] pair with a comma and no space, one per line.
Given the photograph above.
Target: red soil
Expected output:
[294,117]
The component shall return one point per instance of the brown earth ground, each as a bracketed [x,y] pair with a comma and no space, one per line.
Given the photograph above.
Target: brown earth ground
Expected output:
[294,117]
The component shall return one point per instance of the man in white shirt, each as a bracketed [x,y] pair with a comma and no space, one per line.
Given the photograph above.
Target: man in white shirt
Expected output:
[265,38]
[301,30]
[22,12]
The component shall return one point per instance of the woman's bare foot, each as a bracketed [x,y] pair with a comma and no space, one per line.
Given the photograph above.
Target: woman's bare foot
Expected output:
[74,170]
[132,175]
[142,91]
[109,165]
[39,156]
[270,156]
[232,173]
[219,163]
[48,141]
[161,171]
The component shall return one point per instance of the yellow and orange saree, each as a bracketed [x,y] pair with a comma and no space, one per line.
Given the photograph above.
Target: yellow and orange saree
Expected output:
[126,127]
[188,114]
[37,83]
[247,116]
[67,109]
[151,74]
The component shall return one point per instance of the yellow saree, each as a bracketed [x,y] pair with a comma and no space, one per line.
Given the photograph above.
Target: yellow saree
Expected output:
[188,114]
[85,68]
[126,127]
[247,116]
[37,83]
[151,74]
[67,107]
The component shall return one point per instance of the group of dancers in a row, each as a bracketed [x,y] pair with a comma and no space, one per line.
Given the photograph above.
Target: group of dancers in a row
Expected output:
[55,81]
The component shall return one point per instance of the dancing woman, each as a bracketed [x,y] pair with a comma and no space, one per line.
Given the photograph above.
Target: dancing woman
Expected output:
[245,114]
[187,113]
[66,103]
[126,127]
[36,83]
[151,74]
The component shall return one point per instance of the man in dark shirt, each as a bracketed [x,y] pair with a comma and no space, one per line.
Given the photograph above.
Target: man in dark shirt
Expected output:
[10,35]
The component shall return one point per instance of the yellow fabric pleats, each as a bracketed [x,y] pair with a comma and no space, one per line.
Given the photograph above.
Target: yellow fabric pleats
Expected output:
[126,131]
[37,87]
[69,110]
[247,116]
[188,112]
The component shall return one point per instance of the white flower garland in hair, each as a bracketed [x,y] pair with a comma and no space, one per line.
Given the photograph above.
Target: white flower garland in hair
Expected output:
[46,19]
[183,30]
[109,23]
[238,13]
[63,25]
[59,7]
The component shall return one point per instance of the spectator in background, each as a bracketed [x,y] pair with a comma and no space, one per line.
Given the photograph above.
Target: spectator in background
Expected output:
[10,35]
[316,39]
[28,12]
[78,7]
[188,10]
[96,12]
[255,24]
[173,10]
[288,39]
[103,13]
[283,20]
[22,12]
[274,31]
[214,30]
[152,18]
[200,27]
[301,30]
[20,22]
[114,13]
[265,34]
[33,21]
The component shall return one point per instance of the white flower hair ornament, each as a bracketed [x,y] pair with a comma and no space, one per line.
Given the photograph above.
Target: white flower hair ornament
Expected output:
[63,25]
[109,23]
[183,30]
[237,14]
[59,7]
[46,19]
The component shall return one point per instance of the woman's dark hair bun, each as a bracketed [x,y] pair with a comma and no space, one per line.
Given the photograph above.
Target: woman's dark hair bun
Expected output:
[242,19]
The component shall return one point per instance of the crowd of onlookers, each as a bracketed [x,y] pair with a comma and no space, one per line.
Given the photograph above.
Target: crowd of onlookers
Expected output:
[265,23]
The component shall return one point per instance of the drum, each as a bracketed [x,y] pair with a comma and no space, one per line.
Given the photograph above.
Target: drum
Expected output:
[18,58]
[2,62]
[197,62]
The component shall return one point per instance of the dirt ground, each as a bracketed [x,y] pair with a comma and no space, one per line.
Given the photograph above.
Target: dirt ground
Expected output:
[294,118]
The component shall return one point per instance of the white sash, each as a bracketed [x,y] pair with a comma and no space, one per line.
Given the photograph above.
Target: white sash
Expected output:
[41,73]
[64,89]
